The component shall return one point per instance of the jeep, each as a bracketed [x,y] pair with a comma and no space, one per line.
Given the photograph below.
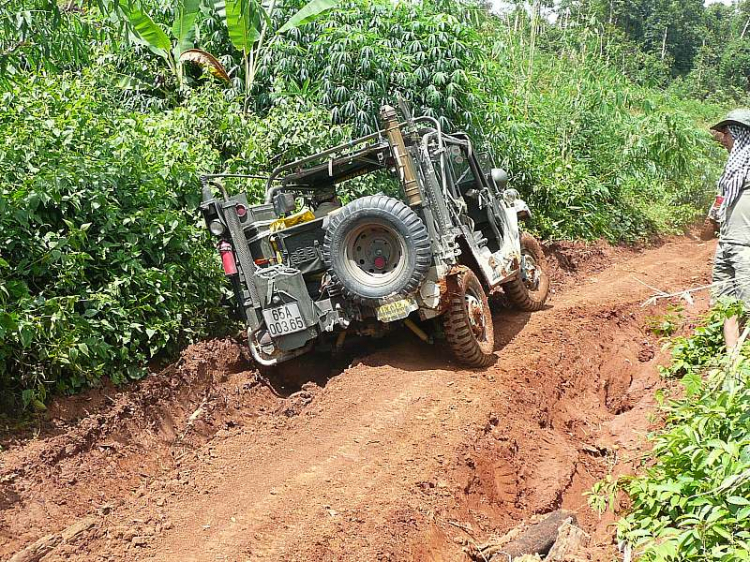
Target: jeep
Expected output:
[307,270]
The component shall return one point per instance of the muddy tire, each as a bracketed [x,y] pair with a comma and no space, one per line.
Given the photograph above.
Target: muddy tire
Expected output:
[468,321]
[377,249]
[529,293]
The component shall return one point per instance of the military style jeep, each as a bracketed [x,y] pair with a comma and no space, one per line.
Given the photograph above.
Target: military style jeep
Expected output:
[308,270]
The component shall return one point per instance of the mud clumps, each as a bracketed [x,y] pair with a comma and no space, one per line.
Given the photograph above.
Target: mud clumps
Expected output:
[574,259]
[562,431]
[295,404]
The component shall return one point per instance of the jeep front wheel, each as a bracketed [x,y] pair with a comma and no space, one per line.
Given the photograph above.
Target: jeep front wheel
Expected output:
[529,290]
[468,321]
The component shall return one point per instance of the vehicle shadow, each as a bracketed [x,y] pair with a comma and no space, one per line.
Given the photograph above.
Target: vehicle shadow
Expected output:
[508,324]
[405,351]
[401,349]
[315,368]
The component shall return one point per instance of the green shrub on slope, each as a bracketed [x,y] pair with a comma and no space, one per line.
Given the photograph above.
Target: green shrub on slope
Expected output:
[104,263]
[692,502]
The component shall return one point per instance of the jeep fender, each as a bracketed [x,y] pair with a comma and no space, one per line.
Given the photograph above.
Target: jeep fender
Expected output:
[522,209]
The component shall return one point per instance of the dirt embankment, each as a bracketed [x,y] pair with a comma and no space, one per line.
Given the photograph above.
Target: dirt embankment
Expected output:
[400,455]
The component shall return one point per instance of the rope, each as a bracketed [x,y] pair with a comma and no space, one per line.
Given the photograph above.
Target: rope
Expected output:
[686,294]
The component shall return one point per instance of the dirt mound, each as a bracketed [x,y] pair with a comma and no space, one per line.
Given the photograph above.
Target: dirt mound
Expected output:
[116,438]
[572,260]
[403,455]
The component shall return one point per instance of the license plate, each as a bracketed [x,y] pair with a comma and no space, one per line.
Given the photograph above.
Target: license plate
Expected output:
[284,320]
[398,310]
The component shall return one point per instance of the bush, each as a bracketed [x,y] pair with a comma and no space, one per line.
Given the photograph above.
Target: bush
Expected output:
[104,263]
[692,503]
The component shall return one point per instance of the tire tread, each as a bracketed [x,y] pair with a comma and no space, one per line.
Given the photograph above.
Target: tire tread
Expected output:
[457,327]
[517,293]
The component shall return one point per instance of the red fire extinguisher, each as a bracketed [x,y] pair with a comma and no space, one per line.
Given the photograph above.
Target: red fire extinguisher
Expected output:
[227,258]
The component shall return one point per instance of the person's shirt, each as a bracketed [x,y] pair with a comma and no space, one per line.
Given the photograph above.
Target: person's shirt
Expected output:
[735,229]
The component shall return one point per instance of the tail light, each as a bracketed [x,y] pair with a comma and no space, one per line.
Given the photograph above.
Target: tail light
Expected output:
[719,200]
[227,258]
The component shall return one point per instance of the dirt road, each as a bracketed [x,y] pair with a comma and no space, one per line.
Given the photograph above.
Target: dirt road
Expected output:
[401,456]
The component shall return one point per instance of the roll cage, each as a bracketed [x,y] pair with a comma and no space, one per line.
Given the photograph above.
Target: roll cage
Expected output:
[368,154]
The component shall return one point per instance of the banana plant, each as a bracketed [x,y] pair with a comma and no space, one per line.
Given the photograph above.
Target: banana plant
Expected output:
[248,23]
[175,50]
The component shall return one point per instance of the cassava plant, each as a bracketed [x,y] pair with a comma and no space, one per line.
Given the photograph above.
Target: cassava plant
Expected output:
[365,52]
[248,23]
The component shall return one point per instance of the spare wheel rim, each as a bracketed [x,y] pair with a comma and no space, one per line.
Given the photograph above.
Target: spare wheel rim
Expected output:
[375,254]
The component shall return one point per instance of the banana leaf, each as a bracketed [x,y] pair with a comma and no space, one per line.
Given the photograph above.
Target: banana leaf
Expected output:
[308,13]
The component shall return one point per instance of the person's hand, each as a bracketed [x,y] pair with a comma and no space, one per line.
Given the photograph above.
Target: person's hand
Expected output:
[709,229]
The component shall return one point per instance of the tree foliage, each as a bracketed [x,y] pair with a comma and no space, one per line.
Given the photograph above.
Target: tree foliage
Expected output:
[43,36]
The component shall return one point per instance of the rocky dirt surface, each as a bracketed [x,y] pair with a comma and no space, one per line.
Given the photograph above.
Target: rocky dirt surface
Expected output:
[392,453]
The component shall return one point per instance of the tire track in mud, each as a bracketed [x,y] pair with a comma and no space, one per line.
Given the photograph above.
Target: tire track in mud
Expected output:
[372,462]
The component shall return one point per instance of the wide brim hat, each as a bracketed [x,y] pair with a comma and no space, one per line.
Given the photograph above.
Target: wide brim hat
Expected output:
[735,117]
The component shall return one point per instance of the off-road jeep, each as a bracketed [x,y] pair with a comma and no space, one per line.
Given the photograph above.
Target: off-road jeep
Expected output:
[307,270]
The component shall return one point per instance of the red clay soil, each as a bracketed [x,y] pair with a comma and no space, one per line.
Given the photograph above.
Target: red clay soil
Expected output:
[401,456]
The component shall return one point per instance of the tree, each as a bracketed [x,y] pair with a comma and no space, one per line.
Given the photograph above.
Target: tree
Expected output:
[734,66]
[182,30]
[673,27]
[249,21]
[41,36]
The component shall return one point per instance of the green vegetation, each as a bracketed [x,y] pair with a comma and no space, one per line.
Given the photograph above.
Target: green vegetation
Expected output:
[667,324]
[105,263]
[692,502]
[112,110]
[697,50]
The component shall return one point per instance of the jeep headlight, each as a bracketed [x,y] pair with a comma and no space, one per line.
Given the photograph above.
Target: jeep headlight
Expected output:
[510,196]
[216,228]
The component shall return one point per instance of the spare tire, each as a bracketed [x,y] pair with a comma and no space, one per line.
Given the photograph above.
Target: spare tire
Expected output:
[377,250]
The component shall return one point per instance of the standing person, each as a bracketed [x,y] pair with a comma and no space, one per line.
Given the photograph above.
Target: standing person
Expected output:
[732,264]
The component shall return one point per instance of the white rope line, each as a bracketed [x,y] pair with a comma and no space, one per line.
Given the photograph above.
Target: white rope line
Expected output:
[686,294]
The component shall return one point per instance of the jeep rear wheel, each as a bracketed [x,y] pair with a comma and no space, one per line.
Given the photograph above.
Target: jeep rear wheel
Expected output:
[468,321]
[529,290]
[377,249]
